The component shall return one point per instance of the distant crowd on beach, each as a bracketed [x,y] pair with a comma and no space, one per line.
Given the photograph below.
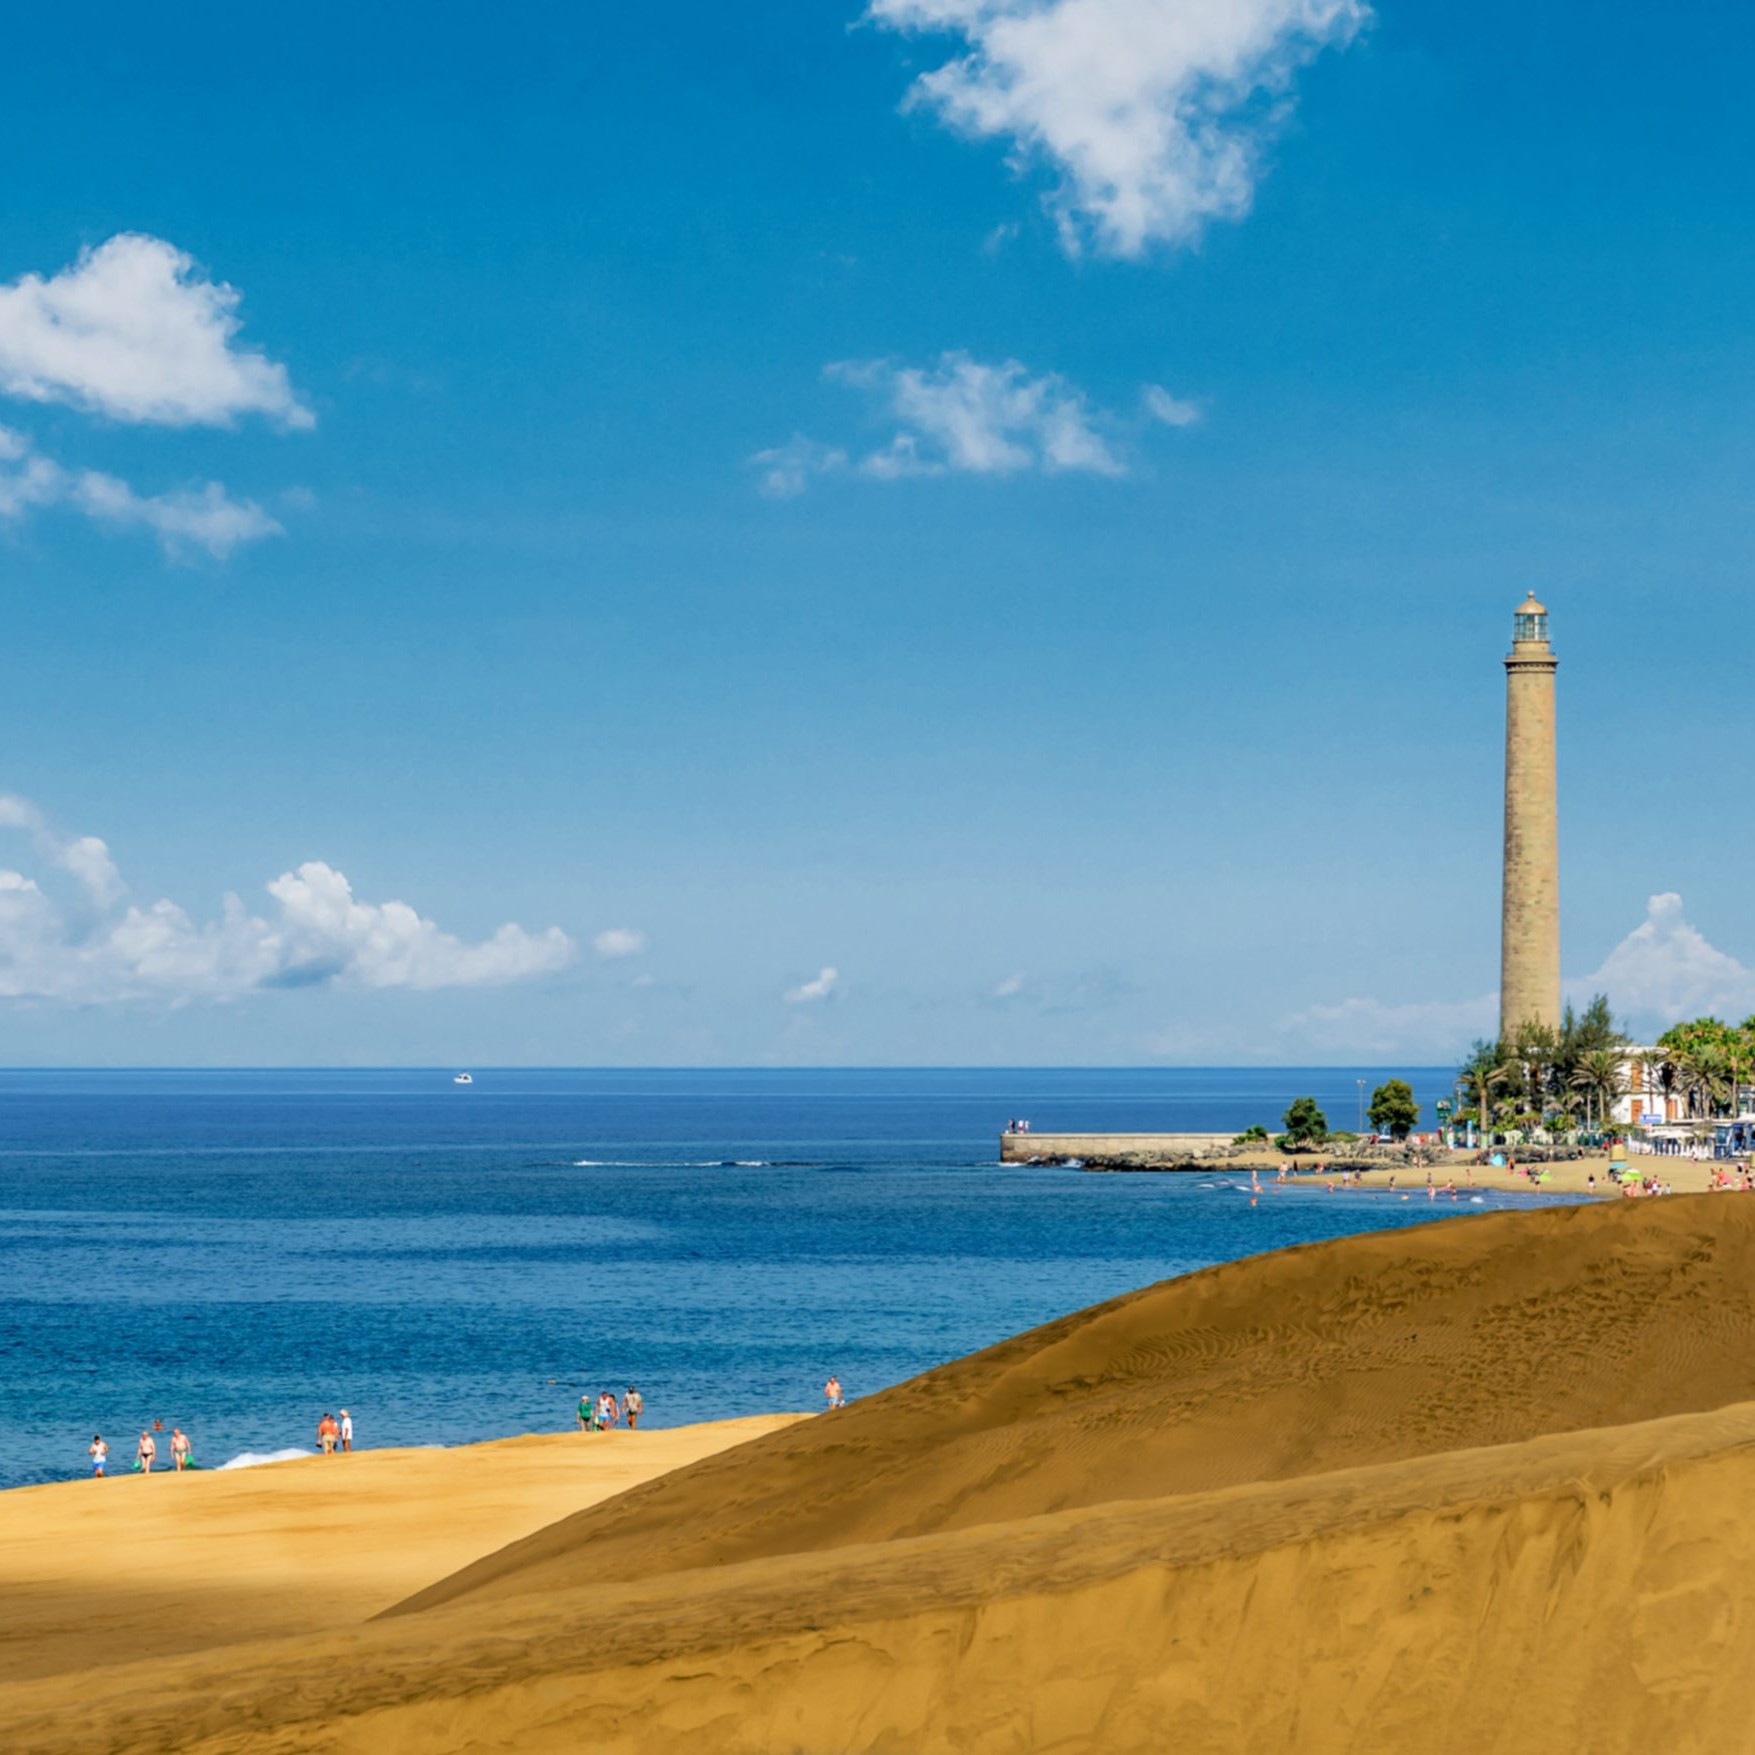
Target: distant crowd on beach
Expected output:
[333,1435]
[145,1452]
[598,1413]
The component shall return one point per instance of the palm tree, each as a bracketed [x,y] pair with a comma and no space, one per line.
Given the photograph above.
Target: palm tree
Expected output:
[1599,1077]
[1485,1070]
[1702,1069]
[1534,1050]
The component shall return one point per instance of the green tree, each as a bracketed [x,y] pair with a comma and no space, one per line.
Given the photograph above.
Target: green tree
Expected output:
[1534,1050]
[1599,1079]
[1393,1110]
[1700,1054]
[1582,1034]
[1480,1076]
[1305,1124]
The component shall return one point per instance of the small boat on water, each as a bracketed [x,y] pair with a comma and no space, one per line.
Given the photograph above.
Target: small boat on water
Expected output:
[463,1079]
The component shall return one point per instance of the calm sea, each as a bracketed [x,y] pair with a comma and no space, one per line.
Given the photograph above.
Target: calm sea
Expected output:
[237,1252]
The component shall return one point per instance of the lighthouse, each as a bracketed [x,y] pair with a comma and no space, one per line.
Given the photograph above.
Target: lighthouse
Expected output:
[1529,956]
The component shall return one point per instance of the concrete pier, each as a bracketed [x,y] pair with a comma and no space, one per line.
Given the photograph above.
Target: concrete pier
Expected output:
[1165,1148]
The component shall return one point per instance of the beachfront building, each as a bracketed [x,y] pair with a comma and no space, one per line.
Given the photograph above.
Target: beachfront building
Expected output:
[1529,972]
[1644,1101]
[1660,1111]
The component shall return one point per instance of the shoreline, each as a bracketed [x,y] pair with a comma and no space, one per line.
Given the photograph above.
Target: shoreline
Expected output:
[1349,1459]
[1567,1176]
[137,1567]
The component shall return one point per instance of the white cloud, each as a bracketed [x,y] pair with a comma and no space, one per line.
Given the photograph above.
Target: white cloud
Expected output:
[963,416]
[84,857]
[619,941]
[820,987]
[1152,113]
[1168,410]
[1009,988]
[204,517]
[1665,970]
[93,950]
[1662,971]
[132,330]
[786,469]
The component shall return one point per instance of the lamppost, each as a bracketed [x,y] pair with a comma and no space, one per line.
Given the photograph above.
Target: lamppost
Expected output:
[1361,1084]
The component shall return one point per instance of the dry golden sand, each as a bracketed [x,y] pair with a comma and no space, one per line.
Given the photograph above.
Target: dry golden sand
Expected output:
[1488,1484]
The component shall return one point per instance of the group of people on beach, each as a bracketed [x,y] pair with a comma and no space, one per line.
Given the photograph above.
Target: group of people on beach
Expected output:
[332,1436]
[145,1452]
[335,1435]
[598,1413]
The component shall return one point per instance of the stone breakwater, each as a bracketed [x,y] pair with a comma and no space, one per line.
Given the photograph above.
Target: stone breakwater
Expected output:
[1210,1151]
[1141,1151]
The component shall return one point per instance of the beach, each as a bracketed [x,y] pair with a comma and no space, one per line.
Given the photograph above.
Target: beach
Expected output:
[1456,1486]
[94,1573]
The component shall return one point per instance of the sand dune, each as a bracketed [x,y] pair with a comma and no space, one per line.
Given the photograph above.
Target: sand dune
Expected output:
[1480,1485]
[95,1573]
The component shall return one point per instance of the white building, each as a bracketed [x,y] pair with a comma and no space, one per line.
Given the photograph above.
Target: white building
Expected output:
[1646,1103]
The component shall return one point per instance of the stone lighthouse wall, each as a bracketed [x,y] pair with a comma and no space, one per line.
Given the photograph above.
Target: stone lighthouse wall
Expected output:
[1530,948]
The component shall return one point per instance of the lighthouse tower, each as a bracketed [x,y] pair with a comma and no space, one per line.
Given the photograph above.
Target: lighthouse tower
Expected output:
[1529,969]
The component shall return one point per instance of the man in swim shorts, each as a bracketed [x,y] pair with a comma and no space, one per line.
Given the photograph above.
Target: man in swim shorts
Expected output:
[145,1453]
[99,1452]
[327,1433]
[179,1448]
[832,1392]
[633,1405]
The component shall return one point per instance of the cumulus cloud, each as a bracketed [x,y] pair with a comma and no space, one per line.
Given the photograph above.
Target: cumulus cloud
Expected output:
[619,941]
[820,987]
[134,331]
[71,937]
[1665,970]
[1662,971]
[1152,114]
[962,416]
[204,517]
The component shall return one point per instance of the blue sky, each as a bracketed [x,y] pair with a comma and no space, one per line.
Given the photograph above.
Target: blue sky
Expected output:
[1017,503]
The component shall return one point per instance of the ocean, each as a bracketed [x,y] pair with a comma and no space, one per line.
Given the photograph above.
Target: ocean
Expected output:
[238,1252]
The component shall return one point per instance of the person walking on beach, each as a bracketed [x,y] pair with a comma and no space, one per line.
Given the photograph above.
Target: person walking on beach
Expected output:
[99,1452]
[346,1430]
[145,1453]
[607,1414]
[587,1413]
[832,1392]
[179,1449]
[633,1406]
[327,1433]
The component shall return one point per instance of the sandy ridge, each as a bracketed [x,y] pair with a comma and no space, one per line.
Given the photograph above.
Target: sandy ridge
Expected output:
[1475,1485]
